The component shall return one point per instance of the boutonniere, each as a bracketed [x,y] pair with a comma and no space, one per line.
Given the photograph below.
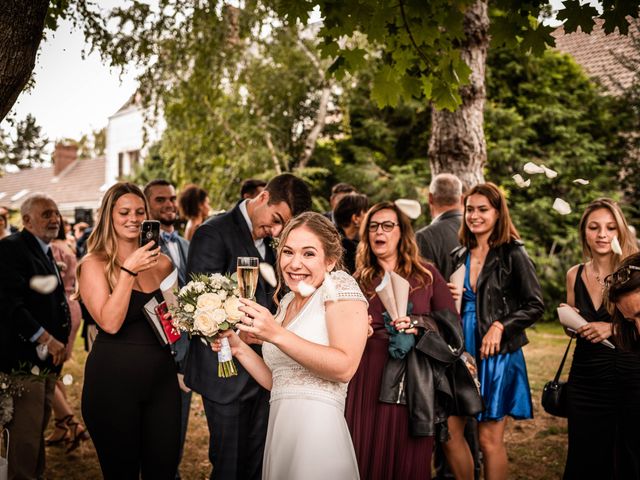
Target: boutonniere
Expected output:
[274,243]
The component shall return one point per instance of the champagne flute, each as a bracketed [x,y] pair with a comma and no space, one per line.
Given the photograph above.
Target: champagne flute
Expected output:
[247,269]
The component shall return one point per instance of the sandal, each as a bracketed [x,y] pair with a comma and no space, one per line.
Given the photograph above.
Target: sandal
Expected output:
[77,433]
[60,434]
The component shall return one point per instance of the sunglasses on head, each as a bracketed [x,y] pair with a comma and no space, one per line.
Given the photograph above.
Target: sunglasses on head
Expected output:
[620,276]
[386,226]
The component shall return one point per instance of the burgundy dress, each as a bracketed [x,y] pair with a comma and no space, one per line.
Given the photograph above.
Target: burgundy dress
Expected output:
[380,431]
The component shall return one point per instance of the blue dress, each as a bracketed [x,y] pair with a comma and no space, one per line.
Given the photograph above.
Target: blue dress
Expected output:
[504,384]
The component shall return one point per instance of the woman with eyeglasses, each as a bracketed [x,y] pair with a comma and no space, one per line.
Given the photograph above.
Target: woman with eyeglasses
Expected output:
[394,406]
[603,390]
[501,298]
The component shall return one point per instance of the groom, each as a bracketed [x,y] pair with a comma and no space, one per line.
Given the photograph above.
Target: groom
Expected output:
[237,408]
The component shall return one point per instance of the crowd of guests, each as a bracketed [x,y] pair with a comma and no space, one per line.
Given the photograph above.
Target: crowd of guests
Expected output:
[329,385]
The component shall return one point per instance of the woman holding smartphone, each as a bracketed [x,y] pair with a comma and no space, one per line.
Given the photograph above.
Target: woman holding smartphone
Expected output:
[130,399]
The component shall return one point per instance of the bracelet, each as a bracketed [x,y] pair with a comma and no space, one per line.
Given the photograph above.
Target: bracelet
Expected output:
[499,325]
[133,274]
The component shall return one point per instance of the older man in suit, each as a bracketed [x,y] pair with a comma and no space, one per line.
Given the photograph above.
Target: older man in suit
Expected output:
[437,240]
[163,206]
[34,314]
[237,408]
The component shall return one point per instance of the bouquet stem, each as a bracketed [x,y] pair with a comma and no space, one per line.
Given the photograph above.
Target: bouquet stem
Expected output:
[226,366]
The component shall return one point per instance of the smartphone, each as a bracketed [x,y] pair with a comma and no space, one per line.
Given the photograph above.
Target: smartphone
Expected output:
[150,232]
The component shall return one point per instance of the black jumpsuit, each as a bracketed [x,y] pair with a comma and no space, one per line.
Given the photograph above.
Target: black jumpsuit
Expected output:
[131,401]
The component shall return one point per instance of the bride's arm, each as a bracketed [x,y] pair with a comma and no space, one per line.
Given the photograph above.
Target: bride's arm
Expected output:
[250,360]
[347,328]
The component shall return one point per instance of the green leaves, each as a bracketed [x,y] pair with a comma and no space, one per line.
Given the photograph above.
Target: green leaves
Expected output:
[576,15]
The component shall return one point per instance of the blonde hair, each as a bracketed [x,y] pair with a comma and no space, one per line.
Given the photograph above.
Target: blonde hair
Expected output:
[625,236]
[103,241]
[409,262]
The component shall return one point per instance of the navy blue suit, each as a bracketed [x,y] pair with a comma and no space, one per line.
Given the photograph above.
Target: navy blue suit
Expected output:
[237,408]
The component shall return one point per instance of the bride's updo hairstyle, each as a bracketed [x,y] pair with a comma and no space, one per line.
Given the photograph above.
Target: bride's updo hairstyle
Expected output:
[322,228]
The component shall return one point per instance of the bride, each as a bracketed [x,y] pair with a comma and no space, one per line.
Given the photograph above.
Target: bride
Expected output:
[311,350]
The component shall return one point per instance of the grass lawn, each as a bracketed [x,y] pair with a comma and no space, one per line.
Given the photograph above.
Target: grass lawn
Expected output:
[537,448]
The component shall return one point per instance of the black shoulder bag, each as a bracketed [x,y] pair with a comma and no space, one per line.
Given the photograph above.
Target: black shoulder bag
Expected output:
[554,393]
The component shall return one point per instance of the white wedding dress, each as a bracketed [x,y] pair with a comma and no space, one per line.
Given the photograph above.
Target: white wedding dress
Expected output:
[308,437]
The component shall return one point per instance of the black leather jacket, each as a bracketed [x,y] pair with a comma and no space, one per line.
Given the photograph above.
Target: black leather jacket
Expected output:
[507,291]
[432,379]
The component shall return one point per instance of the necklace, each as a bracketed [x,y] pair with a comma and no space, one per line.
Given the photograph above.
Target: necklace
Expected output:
[597,276]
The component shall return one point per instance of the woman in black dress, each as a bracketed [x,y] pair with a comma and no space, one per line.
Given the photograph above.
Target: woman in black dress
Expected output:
[604,384]
[130,399]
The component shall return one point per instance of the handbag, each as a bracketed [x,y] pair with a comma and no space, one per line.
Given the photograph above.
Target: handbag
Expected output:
[554,393]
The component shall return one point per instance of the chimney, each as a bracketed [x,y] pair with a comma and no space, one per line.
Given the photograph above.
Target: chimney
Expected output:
[63,156]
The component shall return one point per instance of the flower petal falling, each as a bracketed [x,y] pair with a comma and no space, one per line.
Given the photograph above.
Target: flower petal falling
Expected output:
[531,168]
[67,379]
[411,208]
[562,207]
[615,246]
[581,181]
[305,289]
[521,182]
[268,273]
[44,284]
[549,172]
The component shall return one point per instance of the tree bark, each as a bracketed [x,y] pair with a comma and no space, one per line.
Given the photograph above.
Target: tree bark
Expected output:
[457,144]
[21,27]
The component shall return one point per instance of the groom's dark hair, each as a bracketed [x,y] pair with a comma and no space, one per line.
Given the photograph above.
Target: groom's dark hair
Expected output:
[289,189]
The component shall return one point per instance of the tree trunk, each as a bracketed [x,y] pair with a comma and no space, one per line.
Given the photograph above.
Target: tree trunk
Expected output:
[21,27]
[457,144]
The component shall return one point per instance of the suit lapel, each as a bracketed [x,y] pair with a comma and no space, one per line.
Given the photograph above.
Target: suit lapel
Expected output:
[489,265]
[36,250]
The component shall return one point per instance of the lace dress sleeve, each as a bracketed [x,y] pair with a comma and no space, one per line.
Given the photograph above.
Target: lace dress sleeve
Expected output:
[340,285]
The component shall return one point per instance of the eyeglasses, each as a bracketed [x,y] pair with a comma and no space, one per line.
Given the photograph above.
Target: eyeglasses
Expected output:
[620,276]
[386,226]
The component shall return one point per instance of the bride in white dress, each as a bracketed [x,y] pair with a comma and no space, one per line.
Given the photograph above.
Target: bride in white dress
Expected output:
[311,350]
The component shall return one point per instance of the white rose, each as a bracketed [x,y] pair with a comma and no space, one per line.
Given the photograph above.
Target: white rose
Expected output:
[223,294]
[209,300]
[198,287]
[184,290]
[189,308]
[219,315]
[232,306]
[204,322]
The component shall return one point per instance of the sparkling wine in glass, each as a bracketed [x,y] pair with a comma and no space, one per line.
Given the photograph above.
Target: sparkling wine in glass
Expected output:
[248,276]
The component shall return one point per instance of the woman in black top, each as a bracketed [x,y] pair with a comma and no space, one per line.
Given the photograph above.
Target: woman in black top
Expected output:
[604,384]
[130,399]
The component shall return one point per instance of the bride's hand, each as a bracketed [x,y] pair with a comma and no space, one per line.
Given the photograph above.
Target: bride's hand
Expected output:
[235,342]
[258,321]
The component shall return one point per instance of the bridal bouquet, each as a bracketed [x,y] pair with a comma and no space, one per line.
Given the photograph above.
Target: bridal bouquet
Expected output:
[206,306]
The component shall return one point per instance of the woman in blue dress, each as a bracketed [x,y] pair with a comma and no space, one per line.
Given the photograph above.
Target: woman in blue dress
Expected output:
[501,298]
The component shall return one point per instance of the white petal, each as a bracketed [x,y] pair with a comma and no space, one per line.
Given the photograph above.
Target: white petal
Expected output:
[549,173]
[35,370]
[562,207]
[615,246]
[411,208]
[521,182]
[531,168]
[67,379]
[268,273]
[44,284]
[204,341]
[581,181]
[305,289]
